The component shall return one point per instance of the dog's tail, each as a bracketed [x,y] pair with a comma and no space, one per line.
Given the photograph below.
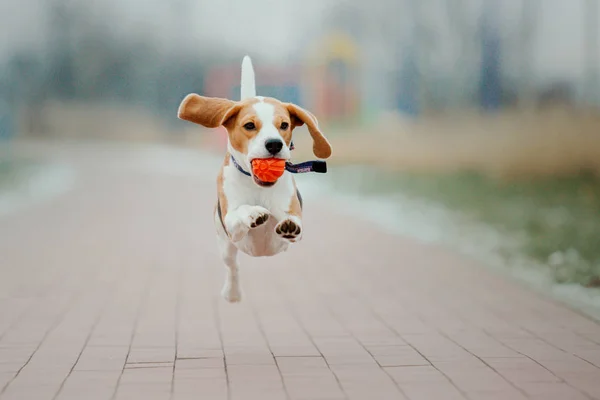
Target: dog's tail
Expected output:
[248,84]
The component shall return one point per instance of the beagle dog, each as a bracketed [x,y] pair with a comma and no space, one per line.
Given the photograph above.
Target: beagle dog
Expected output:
[255,217]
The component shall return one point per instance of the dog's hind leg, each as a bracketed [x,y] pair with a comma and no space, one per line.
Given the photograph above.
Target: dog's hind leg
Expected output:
[231,289]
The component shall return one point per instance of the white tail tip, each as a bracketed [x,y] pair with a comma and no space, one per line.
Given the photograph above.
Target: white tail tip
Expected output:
[248,84]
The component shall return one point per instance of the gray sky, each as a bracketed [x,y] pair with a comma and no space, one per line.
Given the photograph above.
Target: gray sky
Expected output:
[270,28]
[273,29]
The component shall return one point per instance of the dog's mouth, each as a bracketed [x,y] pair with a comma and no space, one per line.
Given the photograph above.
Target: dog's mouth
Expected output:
[262,183]
[258,181]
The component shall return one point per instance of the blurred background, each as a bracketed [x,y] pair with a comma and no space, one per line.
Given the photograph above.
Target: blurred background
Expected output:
[486,108]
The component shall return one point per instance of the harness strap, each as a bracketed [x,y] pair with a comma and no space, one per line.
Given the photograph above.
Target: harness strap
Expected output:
[221,215]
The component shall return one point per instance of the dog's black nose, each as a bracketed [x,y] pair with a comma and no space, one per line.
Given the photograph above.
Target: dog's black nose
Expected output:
[274,146]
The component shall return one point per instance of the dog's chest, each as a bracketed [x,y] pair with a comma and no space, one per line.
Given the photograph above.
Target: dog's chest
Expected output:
[241,190]
[262,241]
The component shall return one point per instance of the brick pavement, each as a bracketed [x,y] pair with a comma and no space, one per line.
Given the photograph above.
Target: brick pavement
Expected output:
[112,292]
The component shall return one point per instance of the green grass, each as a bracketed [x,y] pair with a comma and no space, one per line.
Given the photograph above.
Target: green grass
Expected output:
[549,215]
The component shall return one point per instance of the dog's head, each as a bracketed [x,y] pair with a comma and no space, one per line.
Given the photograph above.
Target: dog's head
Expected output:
[259,127]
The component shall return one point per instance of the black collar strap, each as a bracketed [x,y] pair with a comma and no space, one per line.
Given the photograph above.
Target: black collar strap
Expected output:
[239,167]
[307,166]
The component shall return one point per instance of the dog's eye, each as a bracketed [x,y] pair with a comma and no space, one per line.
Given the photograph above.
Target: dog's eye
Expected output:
[284,126]
[249,126]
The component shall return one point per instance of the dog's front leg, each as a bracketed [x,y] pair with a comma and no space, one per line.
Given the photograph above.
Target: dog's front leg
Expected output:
[240,220]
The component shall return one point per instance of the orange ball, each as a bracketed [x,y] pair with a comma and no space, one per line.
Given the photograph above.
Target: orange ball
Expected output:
[268,169]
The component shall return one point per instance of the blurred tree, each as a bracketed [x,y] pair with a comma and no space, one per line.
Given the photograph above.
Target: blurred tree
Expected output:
[592,50]
[27,89]
[529,23]
[423,42]
[490,76]
[7,104]
[174,83]
[466,34]
[62,18]
[86,59]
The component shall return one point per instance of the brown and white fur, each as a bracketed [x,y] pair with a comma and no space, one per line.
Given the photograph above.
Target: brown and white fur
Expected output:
[259,219]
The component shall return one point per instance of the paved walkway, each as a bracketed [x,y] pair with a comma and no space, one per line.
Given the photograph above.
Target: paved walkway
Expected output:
[111,291]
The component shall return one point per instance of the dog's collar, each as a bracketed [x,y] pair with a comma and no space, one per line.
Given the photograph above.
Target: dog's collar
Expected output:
[307,166]
[239,167]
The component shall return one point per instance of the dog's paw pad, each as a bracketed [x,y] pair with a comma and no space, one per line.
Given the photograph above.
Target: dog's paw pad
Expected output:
[259,220]
[288,229]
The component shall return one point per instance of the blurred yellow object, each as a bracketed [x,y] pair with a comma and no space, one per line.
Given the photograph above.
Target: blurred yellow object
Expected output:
[332,76]
[335,45]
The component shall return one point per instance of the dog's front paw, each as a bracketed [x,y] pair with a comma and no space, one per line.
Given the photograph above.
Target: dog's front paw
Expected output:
[248,217]
[289,229]
[257,217]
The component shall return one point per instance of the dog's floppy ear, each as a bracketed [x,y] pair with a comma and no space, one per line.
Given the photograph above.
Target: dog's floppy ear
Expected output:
[210,112]
[300,116]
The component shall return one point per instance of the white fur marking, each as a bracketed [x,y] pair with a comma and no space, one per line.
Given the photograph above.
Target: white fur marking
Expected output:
[256,147]
[266,113]
[248,83]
